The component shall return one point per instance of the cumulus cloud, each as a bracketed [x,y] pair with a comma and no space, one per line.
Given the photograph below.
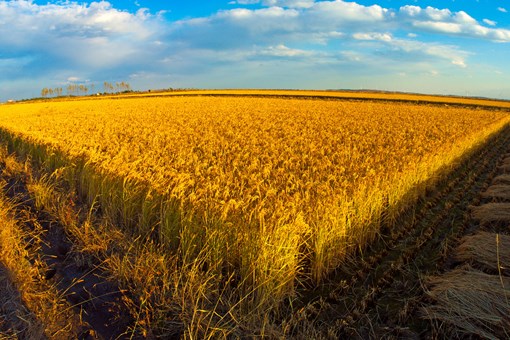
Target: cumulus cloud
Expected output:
[373,36]
[71,39]
[321,21]
[453,23]
[276,3]
[244,2]
[74,35]
[503,10]
[315,21]
[412,51]
[289,3]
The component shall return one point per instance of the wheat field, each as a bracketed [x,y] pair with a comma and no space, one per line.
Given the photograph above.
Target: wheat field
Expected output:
[273,191]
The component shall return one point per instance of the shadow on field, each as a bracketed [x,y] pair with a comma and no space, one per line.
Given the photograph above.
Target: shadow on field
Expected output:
[99,310]
[16,320]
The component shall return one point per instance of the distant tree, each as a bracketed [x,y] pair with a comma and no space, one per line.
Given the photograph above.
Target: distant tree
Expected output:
[125,86]
[108,87]
[83,89]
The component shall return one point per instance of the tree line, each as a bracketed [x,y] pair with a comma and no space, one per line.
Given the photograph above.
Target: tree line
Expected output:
[81,89]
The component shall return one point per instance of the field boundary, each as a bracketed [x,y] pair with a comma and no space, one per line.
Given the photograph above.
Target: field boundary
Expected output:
[460,102]
[332,98]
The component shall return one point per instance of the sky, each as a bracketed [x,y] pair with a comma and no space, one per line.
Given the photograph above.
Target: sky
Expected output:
[458,47]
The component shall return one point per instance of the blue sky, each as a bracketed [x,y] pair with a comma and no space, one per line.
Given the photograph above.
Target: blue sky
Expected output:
[445,47]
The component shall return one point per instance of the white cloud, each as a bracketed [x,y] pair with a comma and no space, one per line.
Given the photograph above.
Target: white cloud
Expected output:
[459,62]
[244,2]
[345,12]
[284,51]
[463,18]
[276,3]
[313,21]
[95,40]
[490,22]
[425,14]
[412,51]
[74,34]
[373,36]
[444,21]
[289,3]
[319,23]
[441,27]
[503,10]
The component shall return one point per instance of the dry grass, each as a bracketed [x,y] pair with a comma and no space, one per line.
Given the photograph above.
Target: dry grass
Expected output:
[469,303]
[491,212]
[505,168]
[16,321]
[502,180]
[40,297]
[498,191]
[486,251]
[506,161]
[27,293]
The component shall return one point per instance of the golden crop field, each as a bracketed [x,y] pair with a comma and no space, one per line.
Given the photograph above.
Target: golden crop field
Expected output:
[275,190]
[332,94]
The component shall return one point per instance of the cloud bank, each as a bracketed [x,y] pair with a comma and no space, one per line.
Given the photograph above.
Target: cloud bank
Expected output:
[233,47]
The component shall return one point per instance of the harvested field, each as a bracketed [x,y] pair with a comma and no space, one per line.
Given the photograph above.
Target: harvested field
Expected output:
[492,213]
[505,168]
[468,303]
[502,180]
[498,191]
[472,298]
[485,251]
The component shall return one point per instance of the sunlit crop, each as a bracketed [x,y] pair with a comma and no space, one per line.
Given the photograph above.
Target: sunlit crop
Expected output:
[276,190]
